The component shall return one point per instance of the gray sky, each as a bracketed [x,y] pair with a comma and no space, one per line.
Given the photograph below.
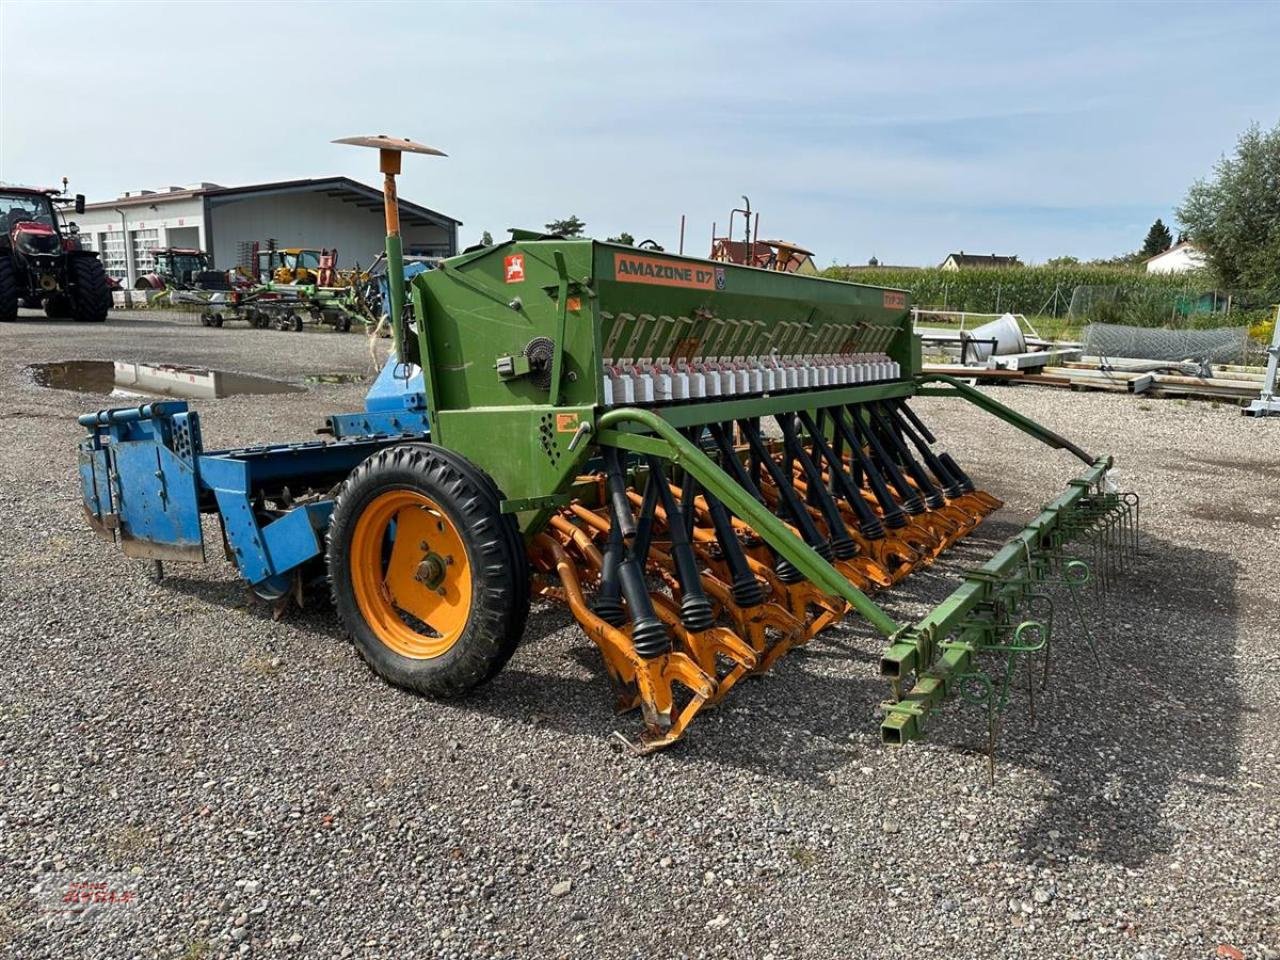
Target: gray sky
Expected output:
[902,130]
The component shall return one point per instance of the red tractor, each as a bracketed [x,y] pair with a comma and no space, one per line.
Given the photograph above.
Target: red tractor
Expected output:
[42,263]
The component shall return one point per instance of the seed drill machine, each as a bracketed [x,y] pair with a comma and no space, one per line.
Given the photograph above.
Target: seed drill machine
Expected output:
[709,464]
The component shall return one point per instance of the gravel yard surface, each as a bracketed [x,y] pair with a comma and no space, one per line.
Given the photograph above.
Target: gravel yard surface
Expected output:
[247,787]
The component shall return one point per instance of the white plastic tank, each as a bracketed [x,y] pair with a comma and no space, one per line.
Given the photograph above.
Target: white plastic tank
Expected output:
[1004,331]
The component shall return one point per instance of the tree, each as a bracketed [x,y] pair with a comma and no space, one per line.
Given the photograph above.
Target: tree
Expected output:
[1066,260]
[1119,260]
[1159,239]
[1233,215]
[623,238]
[570,226]
[487,239]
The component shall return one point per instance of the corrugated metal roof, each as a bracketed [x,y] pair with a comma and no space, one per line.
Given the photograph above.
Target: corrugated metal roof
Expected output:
[343,188]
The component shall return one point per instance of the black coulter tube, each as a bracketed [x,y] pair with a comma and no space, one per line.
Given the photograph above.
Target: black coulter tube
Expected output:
[842,545]
[868,523]
[730,462]
[616,482]
[644,524]
[688,493]
[695,608]
[924,486]
[792,507]
[648,634]
[608,602]
[916,422]
[950,483]
[721,433]
[911,501]
[965,483]
[893,515]
[746,589]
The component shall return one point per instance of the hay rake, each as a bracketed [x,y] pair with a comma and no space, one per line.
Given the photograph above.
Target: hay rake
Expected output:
[708,464]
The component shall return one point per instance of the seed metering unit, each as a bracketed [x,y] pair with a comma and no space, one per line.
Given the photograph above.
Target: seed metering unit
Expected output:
[709,464]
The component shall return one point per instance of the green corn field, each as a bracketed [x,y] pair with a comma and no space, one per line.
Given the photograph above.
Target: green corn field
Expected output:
[1084,294]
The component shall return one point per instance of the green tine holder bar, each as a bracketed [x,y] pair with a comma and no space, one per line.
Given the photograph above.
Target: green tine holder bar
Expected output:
[915,649]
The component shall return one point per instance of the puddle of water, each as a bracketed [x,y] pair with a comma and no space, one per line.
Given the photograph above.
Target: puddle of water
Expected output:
[336,378]
[124,379]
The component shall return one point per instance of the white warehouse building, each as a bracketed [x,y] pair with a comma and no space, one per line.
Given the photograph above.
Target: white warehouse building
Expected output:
[225,222]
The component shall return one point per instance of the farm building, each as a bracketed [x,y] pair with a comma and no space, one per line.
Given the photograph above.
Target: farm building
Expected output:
[333,212]
[1180,258]
[961,260]
[765,254]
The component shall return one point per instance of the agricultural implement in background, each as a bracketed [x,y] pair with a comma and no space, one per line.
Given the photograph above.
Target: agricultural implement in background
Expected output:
[708,464]
[295,286]
[286,306]
[182,269]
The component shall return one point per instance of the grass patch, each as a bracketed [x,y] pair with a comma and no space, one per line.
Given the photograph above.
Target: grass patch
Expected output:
[803,856]
[258,665]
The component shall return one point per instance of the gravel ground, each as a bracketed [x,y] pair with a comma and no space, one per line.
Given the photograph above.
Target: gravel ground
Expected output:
[247,787]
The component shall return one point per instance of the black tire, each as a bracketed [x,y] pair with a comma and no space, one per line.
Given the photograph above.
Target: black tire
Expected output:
[216,320]
[205,320]
[57,306]
[91,297]
[343,323]
[495,555]
[8,289]
[294,320]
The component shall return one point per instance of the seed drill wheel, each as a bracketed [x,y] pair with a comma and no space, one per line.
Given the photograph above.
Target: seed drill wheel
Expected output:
[429,577]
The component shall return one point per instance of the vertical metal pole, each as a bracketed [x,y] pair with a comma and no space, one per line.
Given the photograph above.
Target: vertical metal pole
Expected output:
[682,234]
[130,268]
[390,166]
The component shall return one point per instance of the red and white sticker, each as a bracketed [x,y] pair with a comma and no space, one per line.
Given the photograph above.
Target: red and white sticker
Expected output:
[514,268]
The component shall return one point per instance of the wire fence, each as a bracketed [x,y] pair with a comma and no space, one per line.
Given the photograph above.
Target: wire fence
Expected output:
[1217,345]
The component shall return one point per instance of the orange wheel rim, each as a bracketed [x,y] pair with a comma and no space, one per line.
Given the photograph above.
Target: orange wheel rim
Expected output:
[410,574]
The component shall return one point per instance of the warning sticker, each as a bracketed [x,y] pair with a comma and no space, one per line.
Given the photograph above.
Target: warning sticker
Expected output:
[514,268]
[894,300]
[566,423]
[632,268]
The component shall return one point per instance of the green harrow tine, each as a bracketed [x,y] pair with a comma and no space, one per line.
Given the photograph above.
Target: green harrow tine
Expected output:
[1003,611]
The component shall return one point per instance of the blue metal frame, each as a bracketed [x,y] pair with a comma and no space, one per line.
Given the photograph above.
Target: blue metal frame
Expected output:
[146,479]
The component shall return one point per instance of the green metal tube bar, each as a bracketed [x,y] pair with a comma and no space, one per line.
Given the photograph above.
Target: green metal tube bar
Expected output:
[1008,415]
[680,451]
